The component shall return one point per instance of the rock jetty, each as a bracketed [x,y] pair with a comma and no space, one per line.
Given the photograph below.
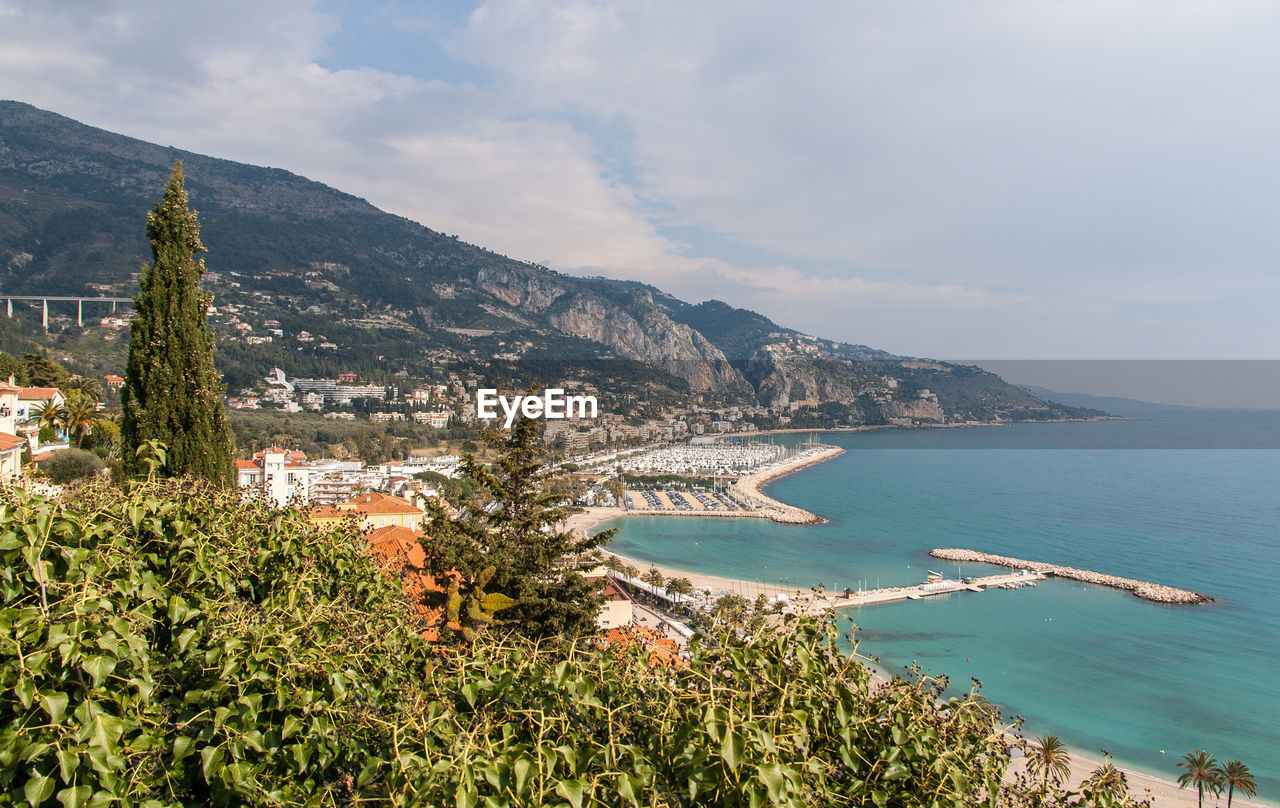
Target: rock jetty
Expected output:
[748,488]
[1143,589]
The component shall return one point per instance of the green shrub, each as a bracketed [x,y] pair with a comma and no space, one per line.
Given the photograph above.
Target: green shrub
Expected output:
[174,645]
[65,465]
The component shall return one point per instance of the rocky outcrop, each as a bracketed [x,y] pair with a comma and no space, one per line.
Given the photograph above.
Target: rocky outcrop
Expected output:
[520,290]
[640,330]
[922,409]
[781,379]
[649,335]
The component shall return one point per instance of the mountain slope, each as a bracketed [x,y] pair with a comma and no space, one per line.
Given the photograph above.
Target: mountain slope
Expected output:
[385,295]
[76,198]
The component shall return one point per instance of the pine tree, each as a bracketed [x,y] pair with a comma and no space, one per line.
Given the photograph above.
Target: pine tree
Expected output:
[515,524]
[172,392]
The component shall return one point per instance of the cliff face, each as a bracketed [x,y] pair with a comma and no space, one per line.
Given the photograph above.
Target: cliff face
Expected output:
[781,379]
[925,410]
[632,327]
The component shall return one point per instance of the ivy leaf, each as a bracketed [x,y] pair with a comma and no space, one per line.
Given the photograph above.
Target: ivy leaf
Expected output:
[182,747]
[210,760]
[629,788]
[771,776]
[38,789]
[523,768]
[571,790]
[106,731]
[68,762]
[184,639]
[74,796]
[99,667]
[465,796]
[731,749]
[25,691]
[292,726]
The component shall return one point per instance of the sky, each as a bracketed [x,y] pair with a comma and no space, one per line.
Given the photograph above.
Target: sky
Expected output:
[1038,179]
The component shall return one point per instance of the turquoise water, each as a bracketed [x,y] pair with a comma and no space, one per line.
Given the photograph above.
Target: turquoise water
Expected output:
[1095,666]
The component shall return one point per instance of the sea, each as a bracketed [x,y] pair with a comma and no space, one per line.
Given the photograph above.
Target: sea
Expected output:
[1185,498]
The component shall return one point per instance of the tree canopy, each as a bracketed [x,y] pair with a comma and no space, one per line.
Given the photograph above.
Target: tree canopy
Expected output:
[172,392]
[515,522]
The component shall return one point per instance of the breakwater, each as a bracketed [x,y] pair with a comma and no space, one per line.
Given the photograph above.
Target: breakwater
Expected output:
[748,488]
[1146,590]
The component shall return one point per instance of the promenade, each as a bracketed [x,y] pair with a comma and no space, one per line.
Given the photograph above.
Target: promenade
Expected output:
[834,600]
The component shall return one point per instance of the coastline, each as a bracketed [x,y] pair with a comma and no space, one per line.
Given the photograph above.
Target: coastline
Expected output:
[1159,788]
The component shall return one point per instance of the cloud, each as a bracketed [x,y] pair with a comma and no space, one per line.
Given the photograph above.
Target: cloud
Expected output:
[990,141]
[924,176]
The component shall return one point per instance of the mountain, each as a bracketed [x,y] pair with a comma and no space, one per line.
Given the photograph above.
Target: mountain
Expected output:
[381,295]
[1116,405]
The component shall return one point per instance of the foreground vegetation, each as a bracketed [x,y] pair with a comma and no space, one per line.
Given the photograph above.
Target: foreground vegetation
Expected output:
[171,644]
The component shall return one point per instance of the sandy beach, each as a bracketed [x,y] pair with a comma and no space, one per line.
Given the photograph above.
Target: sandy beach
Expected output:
[591,517]
[1163,793]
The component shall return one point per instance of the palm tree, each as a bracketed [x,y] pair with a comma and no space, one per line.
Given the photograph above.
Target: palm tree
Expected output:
[106,433]
[1201,771]
[680,587]
[1107,779]
[1047,758]
[1233,775]
[653,577]
[731,608]
[613,564]
[49,416]
[89,388]
[630,571]
[80,415]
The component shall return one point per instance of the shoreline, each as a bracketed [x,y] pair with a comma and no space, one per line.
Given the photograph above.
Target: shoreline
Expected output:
[1160,789]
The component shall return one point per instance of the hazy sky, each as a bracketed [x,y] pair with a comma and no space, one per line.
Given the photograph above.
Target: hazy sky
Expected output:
[1029,179]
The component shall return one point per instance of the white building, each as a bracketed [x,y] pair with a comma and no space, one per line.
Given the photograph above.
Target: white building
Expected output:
[10,444]
[276,474]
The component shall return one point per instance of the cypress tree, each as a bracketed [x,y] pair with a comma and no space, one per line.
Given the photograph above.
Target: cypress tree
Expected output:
[172,392]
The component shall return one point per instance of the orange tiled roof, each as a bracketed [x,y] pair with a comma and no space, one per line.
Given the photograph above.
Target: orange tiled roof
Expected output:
[381,503]
[289,454]
[8,442]
[246,464]
[662,651]
[387,542]
[38,393]
[401,554]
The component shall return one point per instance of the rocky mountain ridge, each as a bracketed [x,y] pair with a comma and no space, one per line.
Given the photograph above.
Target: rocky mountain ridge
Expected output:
[73,199]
